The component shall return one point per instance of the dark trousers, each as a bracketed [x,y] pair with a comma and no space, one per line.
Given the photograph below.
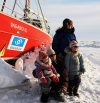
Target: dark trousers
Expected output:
[75,82]
[46,87]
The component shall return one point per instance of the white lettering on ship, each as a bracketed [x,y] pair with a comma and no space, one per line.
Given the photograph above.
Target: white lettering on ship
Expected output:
[15,48]
[16,26]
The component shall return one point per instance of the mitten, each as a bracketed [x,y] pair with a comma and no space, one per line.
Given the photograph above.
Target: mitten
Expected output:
[43,80]
[53,79]
[57,79]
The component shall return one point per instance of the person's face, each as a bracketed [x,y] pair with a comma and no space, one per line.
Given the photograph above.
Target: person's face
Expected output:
[52,57]
[45,60]
[69,25]
[75,48]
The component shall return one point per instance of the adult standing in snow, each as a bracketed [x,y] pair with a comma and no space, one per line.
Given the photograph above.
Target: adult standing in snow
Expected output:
[62,38]
[46,74]
[60,68]
[75,67]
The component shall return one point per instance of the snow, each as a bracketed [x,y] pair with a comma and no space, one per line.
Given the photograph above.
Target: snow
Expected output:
[95,44]
[89,88]
[9,76]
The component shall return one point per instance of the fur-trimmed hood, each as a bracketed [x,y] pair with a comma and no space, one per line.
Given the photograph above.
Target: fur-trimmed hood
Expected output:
[74,63]
[43,70]
[60,30]
[41,63]
[68,51]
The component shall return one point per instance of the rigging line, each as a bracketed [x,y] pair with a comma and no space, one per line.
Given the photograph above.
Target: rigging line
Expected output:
[37,10]
[32,13]
[45,9]
[14,6]
[37,7]
[12,10]
[45,3]
[19,6]
[21,3]
[42,15]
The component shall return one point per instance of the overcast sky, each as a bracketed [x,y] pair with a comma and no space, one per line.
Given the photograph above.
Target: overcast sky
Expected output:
[85,15]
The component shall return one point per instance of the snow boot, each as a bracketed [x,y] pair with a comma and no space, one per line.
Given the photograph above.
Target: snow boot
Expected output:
[44,98]
[61,95]
[75,92]
[70,91]
[58,95]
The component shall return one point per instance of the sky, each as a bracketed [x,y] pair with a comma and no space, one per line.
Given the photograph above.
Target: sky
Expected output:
[85,15]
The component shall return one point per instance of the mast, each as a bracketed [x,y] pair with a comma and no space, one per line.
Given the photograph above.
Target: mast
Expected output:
[27,8]
[3,5]
[27,11]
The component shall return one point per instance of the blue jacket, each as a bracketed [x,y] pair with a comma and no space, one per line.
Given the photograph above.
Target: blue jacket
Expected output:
[62,39]
[74,63]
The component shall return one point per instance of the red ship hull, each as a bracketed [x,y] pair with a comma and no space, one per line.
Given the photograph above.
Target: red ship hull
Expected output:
[19,36]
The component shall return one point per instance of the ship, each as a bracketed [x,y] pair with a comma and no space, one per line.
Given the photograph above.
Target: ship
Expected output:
[20,35]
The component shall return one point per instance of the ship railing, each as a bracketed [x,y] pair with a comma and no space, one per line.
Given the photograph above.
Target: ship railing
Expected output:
[11,9]
[35,24]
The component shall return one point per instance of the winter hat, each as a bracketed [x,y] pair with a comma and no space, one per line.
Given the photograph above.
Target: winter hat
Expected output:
[42,55]
[73,43]
[50,51]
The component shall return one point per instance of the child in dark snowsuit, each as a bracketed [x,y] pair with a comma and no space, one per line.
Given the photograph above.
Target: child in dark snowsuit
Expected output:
[46,74]
[75,67]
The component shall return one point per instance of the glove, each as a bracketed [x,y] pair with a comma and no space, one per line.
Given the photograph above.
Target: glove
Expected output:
[55,79]
[43,80]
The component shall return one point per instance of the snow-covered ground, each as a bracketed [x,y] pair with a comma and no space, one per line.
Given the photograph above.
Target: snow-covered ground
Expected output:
[89,88]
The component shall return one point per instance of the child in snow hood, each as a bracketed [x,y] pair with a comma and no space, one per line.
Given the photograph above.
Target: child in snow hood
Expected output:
[75,67]
[46,74]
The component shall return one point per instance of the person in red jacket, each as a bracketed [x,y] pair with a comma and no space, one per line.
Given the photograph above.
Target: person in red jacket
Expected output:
[46,74]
